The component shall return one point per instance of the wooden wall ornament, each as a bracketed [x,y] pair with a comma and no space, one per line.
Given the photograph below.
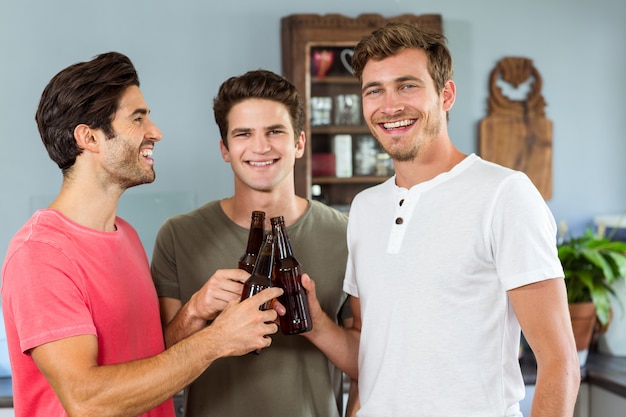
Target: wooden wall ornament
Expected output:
[516,133]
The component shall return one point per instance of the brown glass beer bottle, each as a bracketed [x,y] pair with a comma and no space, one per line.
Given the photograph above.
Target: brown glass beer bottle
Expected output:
[288,275]
[261,277]
[255,240]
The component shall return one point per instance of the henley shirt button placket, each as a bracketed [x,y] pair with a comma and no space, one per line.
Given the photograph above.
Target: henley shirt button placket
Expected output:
[399,228]
[399,220]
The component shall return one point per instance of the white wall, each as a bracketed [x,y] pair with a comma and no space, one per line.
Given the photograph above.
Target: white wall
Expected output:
[183,50]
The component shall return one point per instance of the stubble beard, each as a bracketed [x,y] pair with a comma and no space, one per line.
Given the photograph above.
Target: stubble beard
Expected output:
[129,172]
[417,144]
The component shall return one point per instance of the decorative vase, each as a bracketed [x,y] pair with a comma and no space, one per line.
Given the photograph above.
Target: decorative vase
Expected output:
[583,317]
[322,61]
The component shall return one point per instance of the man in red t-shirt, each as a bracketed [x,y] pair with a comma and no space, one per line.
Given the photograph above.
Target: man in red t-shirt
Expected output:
[81,312]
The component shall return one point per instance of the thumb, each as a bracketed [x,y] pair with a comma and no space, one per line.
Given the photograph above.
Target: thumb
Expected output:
[308,283]
[309,286]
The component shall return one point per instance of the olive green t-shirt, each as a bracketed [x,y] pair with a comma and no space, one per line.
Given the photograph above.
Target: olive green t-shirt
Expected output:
[290,378]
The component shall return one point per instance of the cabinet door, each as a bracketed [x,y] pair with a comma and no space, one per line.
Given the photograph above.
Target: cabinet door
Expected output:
[341,157]
[604,403]
[344,157]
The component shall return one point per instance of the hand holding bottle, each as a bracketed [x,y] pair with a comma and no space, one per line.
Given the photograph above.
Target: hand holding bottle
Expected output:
[287,275]
[314,305]
[243,327]
[224,286]
[262,271]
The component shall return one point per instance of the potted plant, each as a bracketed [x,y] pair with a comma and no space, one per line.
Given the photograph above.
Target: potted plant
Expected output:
[593,264]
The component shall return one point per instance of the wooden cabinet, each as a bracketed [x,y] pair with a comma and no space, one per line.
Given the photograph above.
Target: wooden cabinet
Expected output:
[604,403]
[581,409]
[341,157]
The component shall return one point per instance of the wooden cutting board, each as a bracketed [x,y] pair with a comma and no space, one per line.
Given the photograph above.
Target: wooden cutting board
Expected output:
[516,133]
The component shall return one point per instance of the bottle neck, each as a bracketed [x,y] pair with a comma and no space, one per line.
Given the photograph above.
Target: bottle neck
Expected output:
[256,235]
[283,246]
[255,239]
[265,260]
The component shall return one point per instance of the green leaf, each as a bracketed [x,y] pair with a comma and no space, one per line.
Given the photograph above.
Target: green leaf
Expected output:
[592,264]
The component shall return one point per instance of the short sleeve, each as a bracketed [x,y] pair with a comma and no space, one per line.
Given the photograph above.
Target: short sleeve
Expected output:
[44,294]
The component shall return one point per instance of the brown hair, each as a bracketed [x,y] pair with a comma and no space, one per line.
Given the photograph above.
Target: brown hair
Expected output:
[86,92]
[261,84]
[393,38]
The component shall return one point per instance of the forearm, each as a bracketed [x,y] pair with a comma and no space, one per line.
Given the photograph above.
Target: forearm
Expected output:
[184,323]
[556,389]
[339,344]
[86,388]
[354,403]
[131,388]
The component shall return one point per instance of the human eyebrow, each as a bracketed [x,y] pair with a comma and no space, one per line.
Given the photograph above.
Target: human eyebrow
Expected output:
[278,126]
[407,78]
[140,112]
[369,85]
[398,80]
[240,130]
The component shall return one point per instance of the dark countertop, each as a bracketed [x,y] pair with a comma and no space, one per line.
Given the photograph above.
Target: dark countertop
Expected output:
[608,372]
[529,368]
[6,393]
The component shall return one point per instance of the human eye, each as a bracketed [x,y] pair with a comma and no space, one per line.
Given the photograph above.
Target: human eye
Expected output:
[241,134]
[274,132]
[372,92]
[408,86]
[139,115]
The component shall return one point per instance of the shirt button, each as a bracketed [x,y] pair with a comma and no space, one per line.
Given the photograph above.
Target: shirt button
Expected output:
[399,220]
[402,201]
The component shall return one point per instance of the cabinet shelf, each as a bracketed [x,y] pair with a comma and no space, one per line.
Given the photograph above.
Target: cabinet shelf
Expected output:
[334,130]
[349,180]
[310,38]
[335,80]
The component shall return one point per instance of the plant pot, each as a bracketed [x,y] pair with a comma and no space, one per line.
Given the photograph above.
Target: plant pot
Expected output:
[583,317]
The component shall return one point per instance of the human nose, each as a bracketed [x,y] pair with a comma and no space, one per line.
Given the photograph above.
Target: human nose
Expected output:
[153,132]
[391,103]
[260,144]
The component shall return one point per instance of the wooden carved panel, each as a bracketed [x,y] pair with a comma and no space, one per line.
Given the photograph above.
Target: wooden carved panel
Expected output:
[516,133]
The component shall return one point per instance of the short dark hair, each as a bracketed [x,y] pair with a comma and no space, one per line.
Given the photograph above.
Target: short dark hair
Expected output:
[394,37]
[85,92]
[261,84]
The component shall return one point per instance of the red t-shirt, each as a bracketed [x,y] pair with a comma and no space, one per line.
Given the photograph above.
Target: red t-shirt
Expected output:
[61,279]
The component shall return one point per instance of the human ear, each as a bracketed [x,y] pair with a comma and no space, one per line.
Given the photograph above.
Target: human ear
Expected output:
[224,151]
[85,137]
[449,95]
[300,143]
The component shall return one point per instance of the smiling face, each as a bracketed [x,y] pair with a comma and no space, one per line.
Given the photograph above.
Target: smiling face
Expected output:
[401,106]
[128,158]
[261,146]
